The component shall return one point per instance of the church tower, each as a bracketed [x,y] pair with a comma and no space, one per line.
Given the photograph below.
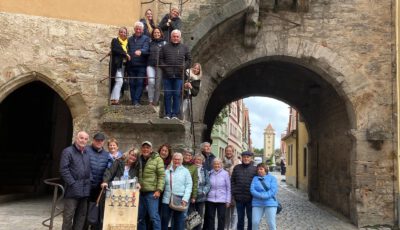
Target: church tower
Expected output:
[269,142]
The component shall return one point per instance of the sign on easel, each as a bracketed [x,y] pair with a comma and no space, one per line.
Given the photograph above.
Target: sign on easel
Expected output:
[121,206]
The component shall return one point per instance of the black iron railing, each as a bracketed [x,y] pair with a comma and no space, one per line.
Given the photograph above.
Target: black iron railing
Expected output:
[56,200]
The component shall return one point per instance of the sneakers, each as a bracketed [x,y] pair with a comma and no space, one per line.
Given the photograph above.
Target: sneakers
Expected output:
[136,105]
[174,118]
[167,117]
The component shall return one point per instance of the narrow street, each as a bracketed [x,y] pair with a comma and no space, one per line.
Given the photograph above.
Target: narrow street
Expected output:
[298,213]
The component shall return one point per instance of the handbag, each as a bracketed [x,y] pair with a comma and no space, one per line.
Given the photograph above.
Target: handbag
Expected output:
[93,215]
[193,220]
[279,207]
[175,202]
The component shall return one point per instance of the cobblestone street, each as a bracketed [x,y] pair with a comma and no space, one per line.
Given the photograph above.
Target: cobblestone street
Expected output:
[298,213]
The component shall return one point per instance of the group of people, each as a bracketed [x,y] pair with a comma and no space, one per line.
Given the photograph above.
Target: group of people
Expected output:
[218,189]
[156,56]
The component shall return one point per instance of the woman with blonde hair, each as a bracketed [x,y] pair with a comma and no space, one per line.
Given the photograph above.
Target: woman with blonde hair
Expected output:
[127,166]
[191,87]
[148,22]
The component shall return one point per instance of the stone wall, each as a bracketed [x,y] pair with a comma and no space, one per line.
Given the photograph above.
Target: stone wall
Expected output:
[65,55]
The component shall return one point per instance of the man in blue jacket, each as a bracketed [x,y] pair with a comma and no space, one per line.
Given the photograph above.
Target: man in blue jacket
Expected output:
[100,159]
[138,50]
[75,171]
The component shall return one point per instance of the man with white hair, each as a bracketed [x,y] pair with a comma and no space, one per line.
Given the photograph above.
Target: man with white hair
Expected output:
[75,171]
[138,50]
[174,59]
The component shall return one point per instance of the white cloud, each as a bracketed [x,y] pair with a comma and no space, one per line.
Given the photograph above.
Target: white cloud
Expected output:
[264,110]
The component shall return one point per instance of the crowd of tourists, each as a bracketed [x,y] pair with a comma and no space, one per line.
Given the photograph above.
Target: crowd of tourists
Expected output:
[222,189]
[154,57]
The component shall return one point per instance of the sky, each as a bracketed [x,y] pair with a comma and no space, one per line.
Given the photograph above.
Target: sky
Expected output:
[265,110]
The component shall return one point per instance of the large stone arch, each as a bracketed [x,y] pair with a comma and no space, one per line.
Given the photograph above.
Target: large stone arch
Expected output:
[72,97]
[350,191]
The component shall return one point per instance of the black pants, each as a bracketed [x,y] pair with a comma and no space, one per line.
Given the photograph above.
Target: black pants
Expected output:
[211,208]
[74,215]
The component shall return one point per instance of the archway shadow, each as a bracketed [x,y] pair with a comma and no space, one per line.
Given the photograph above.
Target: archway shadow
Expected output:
[35,125]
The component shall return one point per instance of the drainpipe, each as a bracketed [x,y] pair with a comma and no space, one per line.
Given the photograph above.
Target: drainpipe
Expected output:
[297,149]
[397,23]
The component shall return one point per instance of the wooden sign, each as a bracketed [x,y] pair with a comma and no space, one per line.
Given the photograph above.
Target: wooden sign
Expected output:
[121,209]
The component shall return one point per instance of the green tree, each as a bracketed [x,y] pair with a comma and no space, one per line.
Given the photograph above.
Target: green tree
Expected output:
[221,116]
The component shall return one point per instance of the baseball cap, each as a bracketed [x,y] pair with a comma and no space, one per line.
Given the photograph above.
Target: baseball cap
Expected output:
[246,153]
[147,143]
[99,136]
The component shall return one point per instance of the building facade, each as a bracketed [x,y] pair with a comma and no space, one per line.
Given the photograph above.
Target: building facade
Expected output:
[234,131]
[295,140]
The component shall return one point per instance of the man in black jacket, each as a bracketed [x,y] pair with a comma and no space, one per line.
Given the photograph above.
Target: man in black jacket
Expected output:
[242,176]
[75,171]
[174,59]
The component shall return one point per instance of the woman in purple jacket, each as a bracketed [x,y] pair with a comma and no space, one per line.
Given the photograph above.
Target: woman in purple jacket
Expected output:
[219,196]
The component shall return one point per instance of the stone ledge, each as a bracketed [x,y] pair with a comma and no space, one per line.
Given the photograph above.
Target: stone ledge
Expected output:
[143,118]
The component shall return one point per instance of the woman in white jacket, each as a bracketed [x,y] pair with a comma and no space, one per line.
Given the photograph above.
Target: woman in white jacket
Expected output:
[177,182]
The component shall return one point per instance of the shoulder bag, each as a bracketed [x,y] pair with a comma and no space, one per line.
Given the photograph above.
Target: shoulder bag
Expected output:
[175,202]
[279,207]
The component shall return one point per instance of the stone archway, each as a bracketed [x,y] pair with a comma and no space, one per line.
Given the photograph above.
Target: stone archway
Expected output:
[340,105]
[324,110]
[36,120]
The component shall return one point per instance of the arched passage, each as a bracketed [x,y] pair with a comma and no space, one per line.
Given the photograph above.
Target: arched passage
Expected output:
[325,112]
[35,125]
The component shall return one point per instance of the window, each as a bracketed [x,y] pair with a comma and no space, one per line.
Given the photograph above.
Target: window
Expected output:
[290,155]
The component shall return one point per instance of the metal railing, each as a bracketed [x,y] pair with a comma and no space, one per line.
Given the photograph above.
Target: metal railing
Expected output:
[56,200]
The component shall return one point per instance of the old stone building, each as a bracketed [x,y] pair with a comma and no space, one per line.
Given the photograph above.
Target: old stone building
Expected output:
[333,61]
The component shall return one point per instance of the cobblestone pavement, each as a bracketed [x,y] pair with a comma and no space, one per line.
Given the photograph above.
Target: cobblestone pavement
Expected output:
[298,213]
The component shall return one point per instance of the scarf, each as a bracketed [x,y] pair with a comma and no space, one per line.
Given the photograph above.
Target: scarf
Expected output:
[124,44]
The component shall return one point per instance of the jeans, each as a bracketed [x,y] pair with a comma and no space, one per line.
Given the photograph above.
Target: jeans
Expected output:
[136,83]
[74,215]
[210,218]
[241,207]
[172,93]
[119,79]
[178,222]
[258,213]
[148,205]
